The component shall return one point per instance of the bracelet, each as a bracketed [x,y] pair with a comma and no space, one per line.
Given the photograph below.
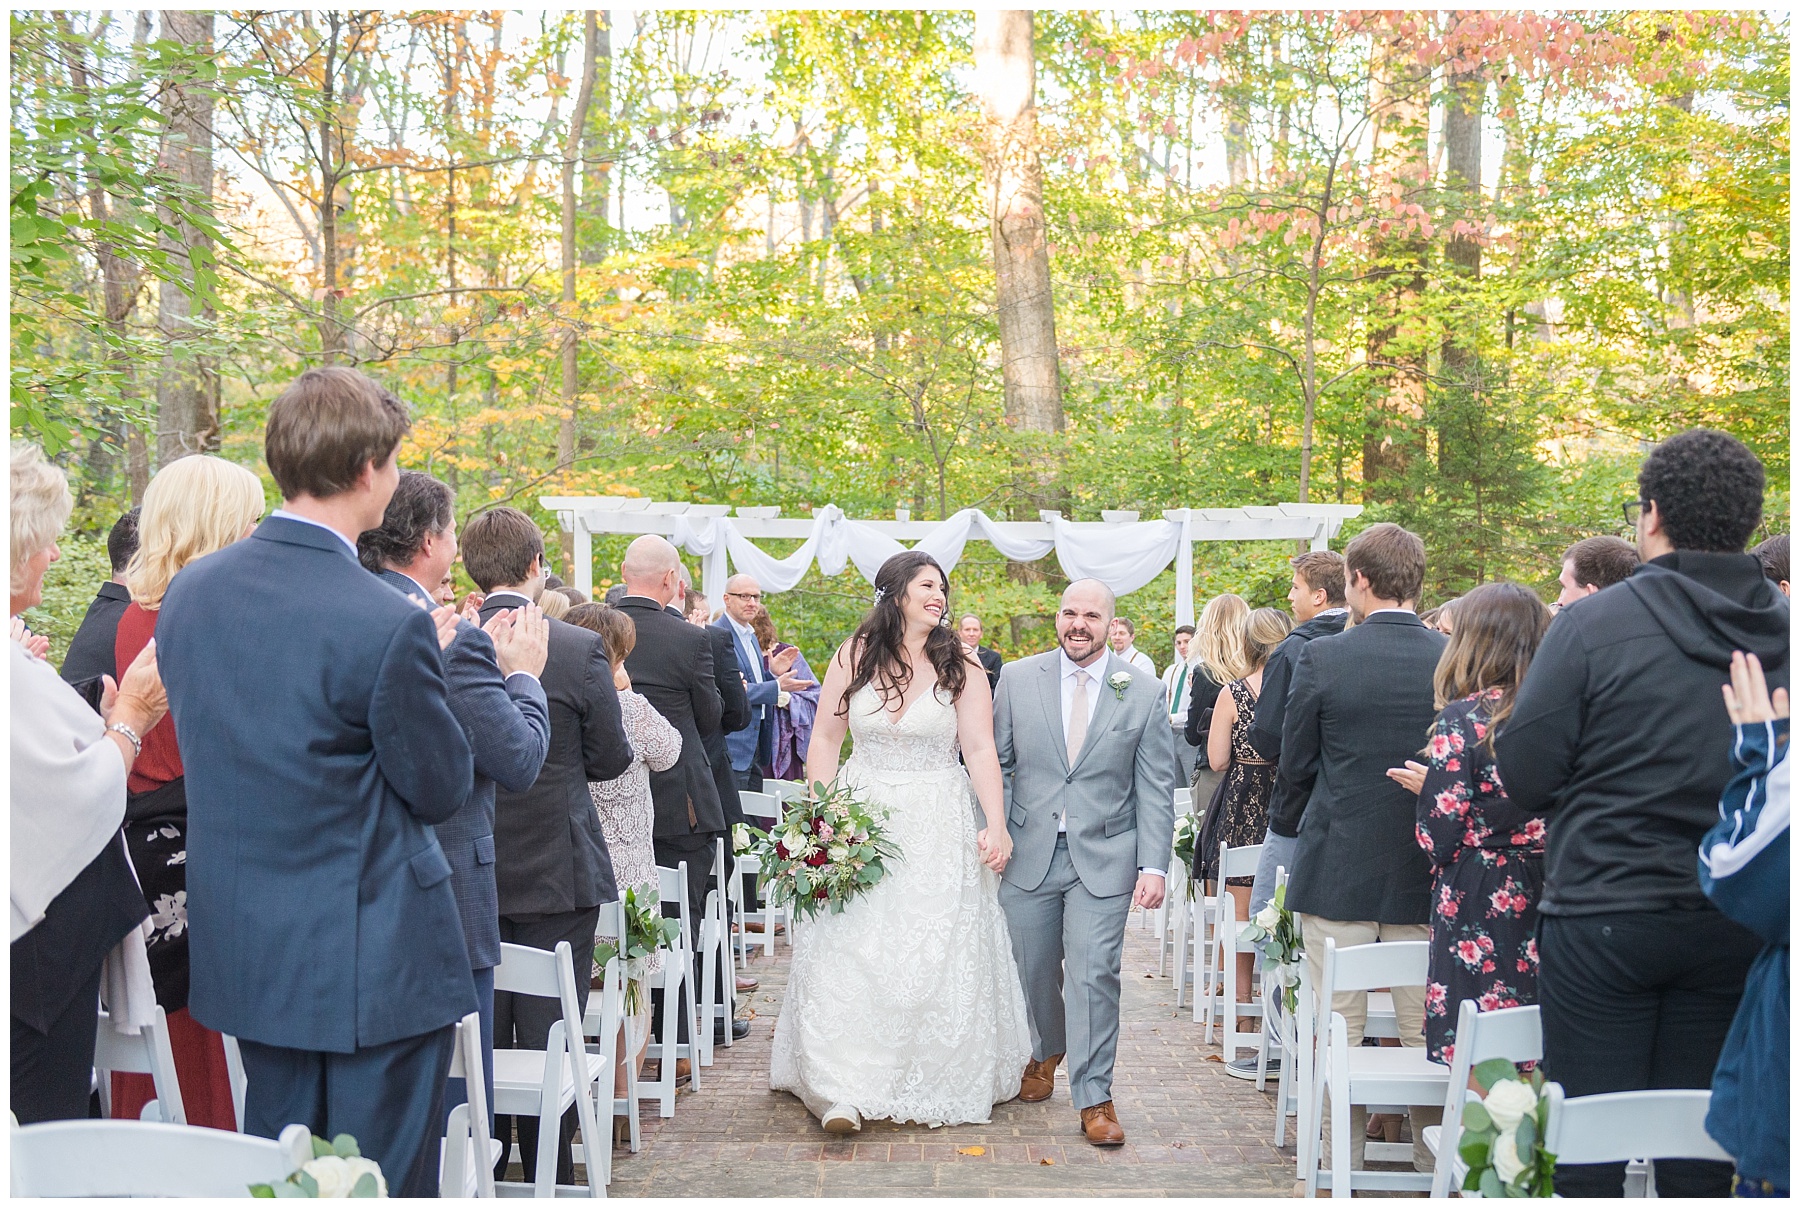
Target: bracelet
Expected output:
[137,744]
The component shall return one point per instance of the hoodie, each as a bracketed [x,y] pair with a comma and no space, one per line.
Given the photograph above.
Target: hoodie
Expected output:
[1620,735]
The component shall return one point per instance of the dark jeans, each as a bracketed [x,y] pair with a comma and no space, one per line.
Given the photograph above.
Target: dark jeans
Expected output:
[523,1022]
[390,1097]
[1636,1002]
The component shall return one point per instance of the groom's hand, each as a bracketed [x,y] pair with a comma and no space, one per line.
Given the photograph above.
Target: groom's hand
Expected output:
[1149,893]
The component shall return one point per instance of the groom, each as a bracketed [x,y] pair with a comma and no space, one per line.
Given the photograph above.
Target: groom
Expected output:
[1089,765]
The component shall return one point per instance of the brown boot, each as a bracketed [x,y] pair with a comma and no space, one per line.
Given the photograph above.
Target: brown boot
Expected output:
[1039,1079]
[1101,1125]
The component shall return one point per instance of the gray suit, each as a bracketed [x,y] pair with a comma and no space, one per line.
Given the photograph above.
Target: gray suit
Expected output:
[1067,897]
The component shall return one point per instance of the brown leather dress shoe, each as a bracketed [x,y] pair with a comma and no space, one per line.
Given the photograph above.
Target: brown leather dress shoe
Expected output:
[1101,1125]
[747,984]
[1039,1079]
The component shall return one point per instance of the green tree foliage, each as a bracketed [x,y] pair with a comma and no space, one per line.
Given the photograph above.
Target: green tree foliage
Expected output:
[786,295]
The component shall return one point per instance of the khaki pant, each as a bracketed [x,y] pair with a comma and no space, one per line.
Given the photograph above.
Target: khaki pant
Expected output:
[1409,1019]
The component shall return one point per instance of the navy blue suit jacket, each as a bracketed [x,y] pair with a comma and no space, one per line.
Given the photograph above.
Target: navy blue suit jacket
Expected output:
[309,703]
[507,722]
[754,744]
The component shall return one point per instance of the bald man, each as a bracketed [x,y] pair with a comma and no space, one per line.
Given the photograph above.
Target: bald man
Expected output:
[672,666]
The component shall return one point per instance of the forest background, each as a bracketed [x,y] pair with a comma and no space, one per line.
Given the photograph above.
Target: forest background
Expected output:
[1460,267]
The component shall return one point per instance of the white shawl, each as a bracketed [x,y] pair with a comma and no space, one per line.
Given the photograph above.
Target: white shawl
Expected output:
[68,801]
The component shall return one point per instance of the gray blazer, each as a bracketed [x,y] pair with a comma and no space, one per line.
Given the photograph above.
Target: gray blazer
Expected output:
[1119,798]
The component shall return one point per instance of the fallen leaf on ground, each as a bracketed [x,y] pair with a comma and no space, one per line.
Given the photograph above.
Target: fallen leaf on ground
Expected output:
[1046,1161]
[1215,1057]
[973,1151]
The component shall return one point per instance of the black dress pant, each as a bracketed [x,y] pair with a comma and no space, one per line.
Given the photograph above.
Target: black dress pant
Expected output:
[698,850]
[52,1071]
[522,1021]
[1635,1002]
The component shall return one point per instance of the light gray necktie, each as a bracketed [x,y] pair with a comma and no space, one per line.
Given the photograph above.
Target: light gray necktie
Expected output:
[1078,717]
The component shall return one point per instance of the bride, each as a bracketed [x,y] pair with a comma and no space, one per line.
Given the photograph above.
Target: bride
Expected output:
[907,1005]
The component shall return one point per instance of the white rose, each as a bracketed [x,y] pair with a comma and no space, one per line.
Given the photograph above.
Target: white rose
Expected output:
[1269,917]
[333,1176]
[1508,1103]
[361,1166]
[1505,1156]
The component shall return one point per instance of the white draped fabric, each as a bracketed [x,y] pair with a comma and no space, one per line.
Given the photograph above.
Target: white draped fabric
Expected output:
[1125,557]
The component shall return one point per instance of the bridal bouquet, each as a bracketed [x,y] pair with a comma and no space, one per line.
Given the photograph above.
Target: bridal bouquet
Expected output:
[826,850]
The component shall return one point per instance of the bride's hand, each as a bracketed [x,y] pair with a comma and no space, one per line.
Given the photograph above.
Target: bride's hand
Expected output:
[995,846]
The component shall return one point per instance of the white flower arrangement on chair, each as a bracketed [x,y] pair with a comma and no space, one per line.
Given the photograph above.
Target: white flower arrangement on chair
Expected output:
[1502,1138]
[336,1171]
[1277,933]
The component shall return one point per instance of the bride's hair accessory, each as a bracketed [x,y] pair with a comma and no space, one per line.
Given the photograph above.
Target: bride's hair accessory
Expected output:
[880,594]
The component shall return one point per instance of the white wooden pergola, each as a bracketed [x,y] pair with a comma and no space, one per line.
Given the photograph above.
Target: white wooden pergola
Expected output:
[585,517]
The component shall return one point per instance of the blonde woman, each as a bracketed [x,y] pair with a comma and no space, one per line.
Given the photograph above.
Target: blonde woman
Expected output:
[1218,647]
[193,507]
[1240,812]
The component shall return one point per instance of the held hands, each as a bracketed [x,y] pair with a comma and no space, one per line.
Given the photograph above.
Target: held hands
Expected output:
[1747,697]
[1150,890]
[995,845]
[521,639]
[1411,777]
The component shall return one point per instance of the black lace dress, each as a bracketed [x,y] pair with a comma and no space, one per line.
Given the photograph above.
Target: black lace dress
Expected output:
[1239,813]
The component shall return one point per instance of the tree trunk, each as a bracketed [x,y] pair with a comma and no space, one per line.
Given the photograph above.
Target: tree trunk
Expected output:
[1463,202]
[1394,432]
[1005,72]
[187,417]
[596,133]
[565,434]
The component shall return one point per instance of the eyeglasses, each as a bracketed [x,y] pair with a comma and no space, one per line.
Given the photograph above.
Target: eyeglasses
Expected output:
[1632,509]
[746,595]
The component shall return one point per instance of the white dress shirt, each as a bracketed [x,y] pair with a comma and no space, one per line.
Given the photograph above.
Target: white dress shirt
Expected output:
[281,514]
[1096,673]
[747,648]
[1137,658]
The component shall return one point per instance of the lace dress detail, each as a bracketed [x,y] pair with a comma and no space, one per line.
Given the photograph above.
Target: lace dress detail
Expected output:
[907,1006]
[627,813]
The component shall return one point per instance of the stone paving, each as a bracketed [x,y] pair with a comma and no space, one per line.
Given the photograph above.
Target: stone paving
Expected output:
[1191,1129]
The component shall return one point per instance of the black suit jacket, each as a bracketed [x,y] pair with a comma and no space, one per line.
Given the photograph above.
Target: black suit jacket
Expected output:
[550,855]
[734,715]
[91,649]
[1287,800]
[672,666]
[991,662]
[1361,703]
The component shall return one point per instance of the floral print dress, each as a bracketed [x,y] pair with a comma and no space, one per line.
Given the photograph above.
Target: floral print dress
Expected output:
[1487,863]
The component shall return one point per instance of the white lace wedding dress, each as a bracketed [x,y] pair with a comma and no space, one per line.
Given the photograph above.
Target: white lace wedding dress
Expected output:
[907,1005]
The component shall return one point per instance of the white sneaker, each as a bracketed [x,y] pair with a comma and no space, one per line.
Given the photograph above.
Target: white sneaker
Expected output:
[842,1120]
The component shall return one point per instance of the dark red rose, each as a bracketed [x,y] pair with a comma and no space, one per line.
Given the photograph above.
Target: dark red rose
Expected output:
[781,851]
[816,859]
[821,893]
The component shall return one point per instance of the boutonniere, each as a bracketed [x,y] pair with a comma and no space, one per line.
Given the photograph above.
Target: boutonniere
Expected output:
[1118,681]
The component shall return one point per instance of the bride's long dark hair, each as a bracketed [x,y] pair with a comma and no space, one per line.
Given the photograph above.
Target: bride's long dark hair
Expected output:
[878,647]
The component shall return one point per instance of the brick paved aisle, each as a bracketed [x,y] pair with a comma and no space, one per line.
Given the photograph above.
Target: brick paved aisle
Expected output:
[1191,1129]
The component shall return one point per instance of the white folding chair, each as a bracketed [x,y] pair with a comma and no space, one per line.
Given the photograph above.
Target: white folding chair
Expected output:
[1369,1075]
[677,985]
[118,1158]
[718,995]
[1166,917]
[1222,968]
[602,1027]
[546,1082]
[1633,1127]
[143,1052]
[784,790]
[469,1153]
[1278,1030]
[763,809]
[234,1074]
[1514,1033]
